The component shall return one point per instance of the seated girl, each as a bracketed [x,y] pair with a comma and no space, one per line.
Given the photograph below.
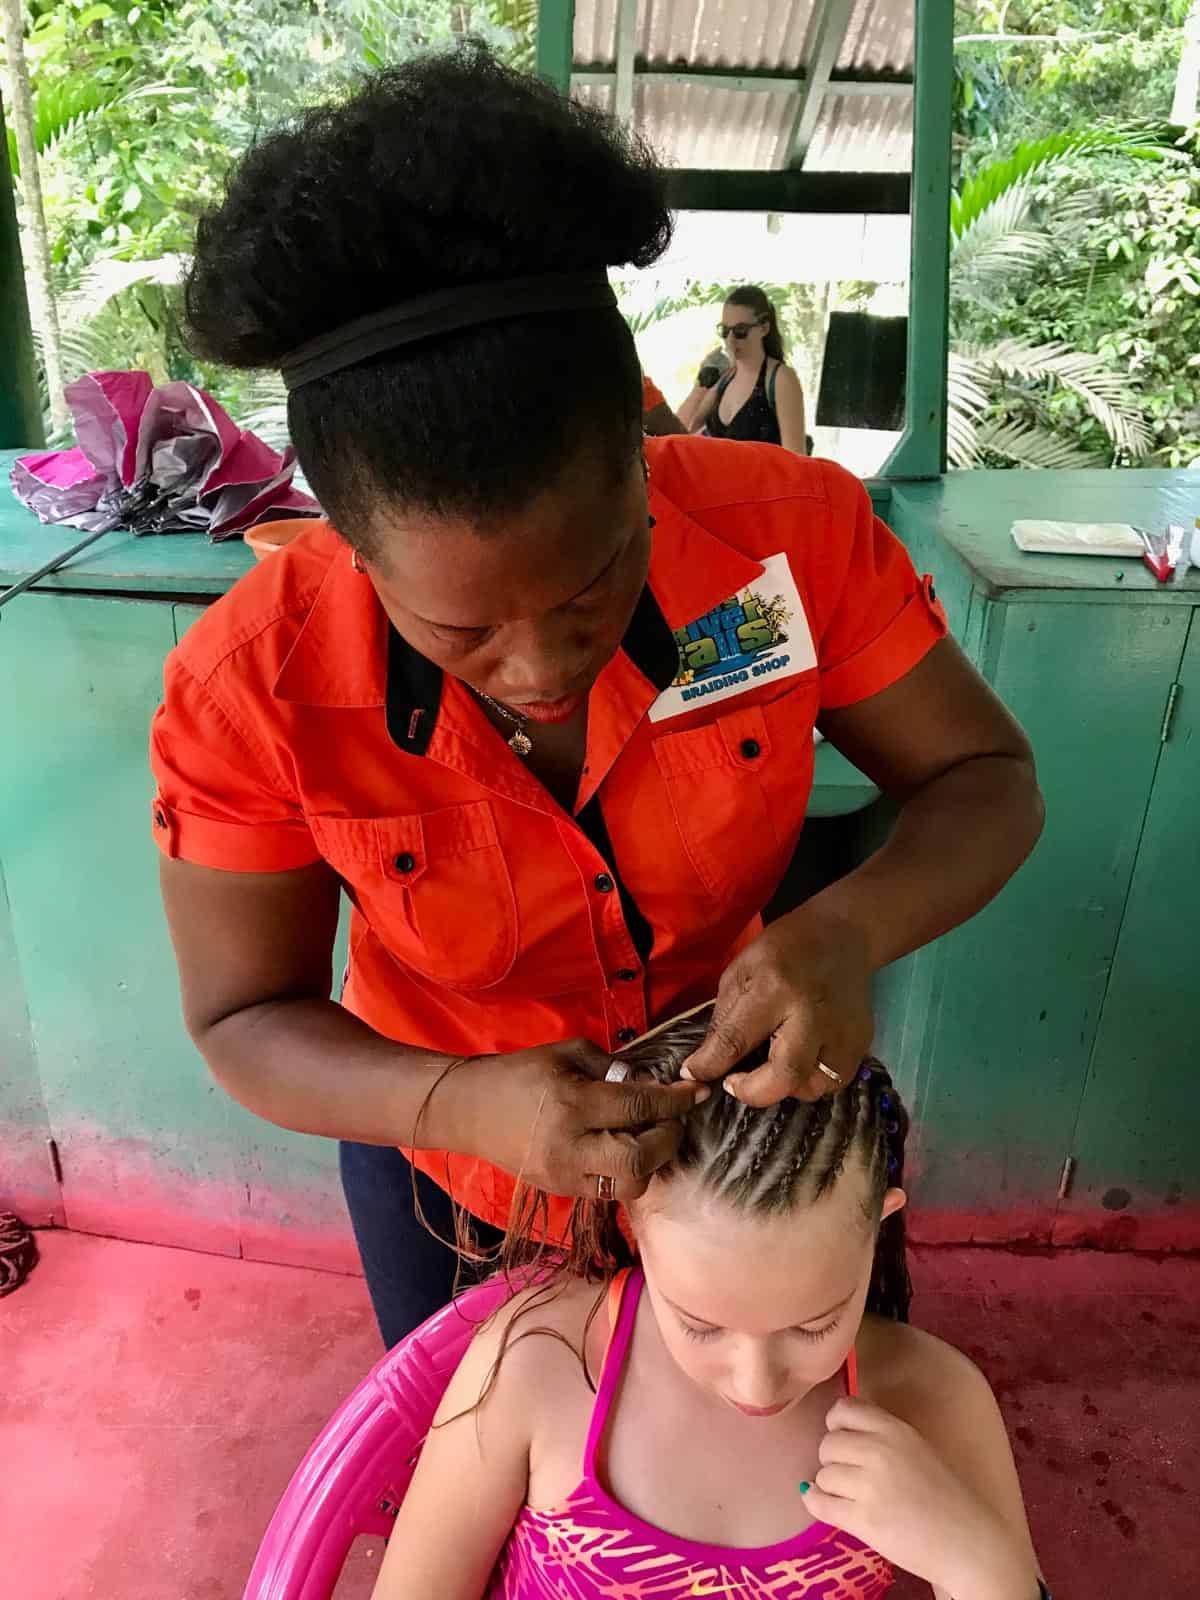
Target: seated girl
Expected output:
[741,1409]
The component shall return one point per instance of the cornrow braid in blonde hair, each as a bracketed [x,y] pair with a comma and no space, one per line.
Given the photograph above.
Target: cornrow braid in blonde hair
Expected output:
[762,1161]
[769,1161]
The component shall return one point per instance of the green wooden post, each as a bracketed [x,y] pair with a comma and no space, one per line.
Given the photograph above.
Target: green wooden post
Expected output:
[921,450]
[20,408]
[556,42]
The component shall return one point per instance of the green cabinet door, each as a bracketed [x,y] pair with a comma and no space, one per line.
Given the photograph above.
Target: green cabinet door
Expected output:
[141,1129]
[990,1031]
[1136,1180]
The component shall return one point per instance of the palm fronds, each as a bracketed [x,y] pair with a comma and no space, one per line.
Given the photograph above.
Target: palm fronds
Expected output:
[667,305]
[1154,142]
[519,19]
[1026,444]
[1103,390]
[64,107]
[975,376]
[998,243]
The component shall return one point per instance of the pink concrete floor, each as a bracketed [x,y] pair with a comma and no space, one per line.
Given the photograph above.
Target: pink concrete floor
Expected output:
[153,1403]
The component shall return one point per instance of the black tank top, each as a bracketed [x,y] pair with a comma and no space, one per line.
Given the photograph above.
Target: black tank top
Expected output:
[755,421]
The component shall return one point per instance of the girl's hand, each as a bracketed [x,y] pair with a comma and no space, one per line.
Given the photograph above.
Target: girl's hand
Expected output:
[805,984]
[546,1115]
[882,1482]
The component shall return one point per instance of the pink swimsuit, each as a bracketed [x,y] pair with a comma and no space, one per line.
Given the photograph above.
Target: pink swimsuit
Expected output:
[590,1548]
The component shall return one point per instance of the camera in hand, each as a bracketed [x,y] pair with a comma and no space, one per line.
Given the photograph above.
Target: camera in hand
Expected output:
[713,368]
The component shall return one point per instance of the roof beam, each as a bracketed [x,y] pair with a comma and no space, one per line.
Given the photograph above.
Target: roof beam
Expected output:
[627,20]
[828,34]
[901,88]
[749,81]
[789,189]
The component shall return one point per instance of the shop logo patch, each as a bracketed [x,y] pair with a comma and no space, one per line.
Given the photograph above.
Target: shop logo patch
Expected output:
[760,633]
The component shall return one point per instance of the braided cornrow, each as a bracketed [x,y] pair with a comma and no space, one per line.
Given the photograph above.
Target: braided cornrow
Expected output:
[811,1133]
[890,1294]
[762,1160]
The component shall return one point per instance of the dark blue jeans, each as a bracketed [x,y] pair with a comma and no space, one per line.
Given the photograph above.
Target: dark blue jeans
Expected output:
[410,1274]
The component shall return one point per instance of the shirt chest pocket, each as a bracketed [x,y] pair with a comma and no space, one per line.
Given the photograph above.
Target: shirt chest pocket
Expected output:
[434,886]
[738,789]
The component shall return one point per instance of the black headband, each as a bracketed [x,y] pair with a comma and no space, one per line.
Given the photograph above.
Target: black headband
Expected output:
[444,311]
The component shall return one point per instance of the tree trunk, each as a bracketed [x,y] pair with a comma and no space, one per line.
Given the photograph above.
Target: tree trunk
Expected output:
[1187,79]
[33,213]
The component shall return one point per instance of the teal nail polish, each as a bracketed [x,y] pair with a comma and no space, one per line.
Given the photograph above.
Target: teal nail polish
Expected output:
[805,1486]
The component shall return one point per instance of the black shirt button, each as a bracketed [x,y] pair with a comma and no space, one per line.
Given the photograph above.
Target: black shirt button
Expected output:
[603,883]
[751,748]
[404,862]
[626,1035]
[627,975]
[932,592]
[160,820]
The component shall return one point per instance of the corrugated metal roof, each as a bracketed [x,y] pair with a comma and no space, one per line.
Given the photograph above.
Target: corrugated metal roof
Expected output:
[766,34]
[697,125]
[879,38]
[690,125]
[862,133]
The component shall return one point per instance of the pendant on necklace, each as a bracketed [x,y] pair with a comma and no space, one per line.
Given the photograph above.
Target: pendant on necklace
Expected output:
[521,743]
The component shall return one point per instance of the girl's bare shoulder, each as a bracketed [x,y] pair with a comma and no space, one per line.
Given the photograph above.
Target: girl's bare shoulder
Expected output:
[530,1352]
[914,1374]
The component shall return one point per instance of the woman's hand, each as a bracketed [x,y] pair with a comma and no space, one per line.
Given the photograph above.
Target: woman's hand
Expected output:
[805,984]
[883,1483]
[547,1116]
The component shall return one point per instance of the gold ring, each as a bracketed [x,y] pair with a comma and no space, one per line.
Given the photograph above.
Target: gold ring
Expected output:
[834,1077]
[606,1187]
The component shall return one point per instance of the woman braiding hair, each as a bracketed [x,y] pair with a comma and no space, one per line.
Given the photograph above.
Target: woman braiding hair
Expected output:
[536,696]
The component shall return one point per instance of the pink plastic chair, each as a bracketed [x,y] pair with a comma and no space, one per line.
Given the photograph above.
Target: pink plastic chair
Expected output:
[358,1468]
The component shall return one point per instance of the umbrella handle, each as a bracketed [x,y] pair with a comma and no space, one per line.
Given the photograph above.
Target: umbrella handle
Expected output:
[51,566]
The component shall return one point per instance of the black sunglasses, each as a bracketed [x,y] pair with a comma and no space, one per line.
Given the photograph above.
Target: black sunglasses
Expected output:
[739,330]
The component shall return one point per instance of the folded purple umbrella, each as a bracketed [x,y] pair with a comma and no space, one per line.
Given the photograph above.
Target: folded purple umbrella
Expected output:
[157,460]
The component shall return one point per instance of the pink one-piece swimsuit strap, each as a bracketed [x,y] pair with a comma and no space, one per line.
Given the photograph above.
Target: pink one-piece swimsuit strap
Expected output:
[590,1547]
[624,1293]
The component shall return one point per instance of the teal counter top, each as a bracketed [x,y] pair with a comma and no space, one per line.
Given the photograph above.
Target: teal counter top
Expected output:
[169,565]
[973,512]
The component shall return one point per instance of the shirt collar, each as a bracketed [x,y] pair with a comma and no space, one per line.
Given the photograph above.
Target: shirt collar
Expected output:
[339,656]
[347,654]
[691,569]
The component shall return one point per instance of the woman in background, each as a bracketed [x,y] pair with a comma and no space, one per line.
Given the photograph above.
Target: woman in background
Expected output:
[759,398]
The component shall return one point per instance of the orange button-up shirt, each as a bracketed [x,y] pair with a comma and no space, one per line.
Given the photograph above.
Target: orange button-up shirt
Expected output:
[297,725]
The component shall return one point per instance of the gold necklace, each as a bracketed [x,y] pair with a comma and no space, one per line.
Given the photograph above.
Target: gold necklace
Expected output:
[520,742]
